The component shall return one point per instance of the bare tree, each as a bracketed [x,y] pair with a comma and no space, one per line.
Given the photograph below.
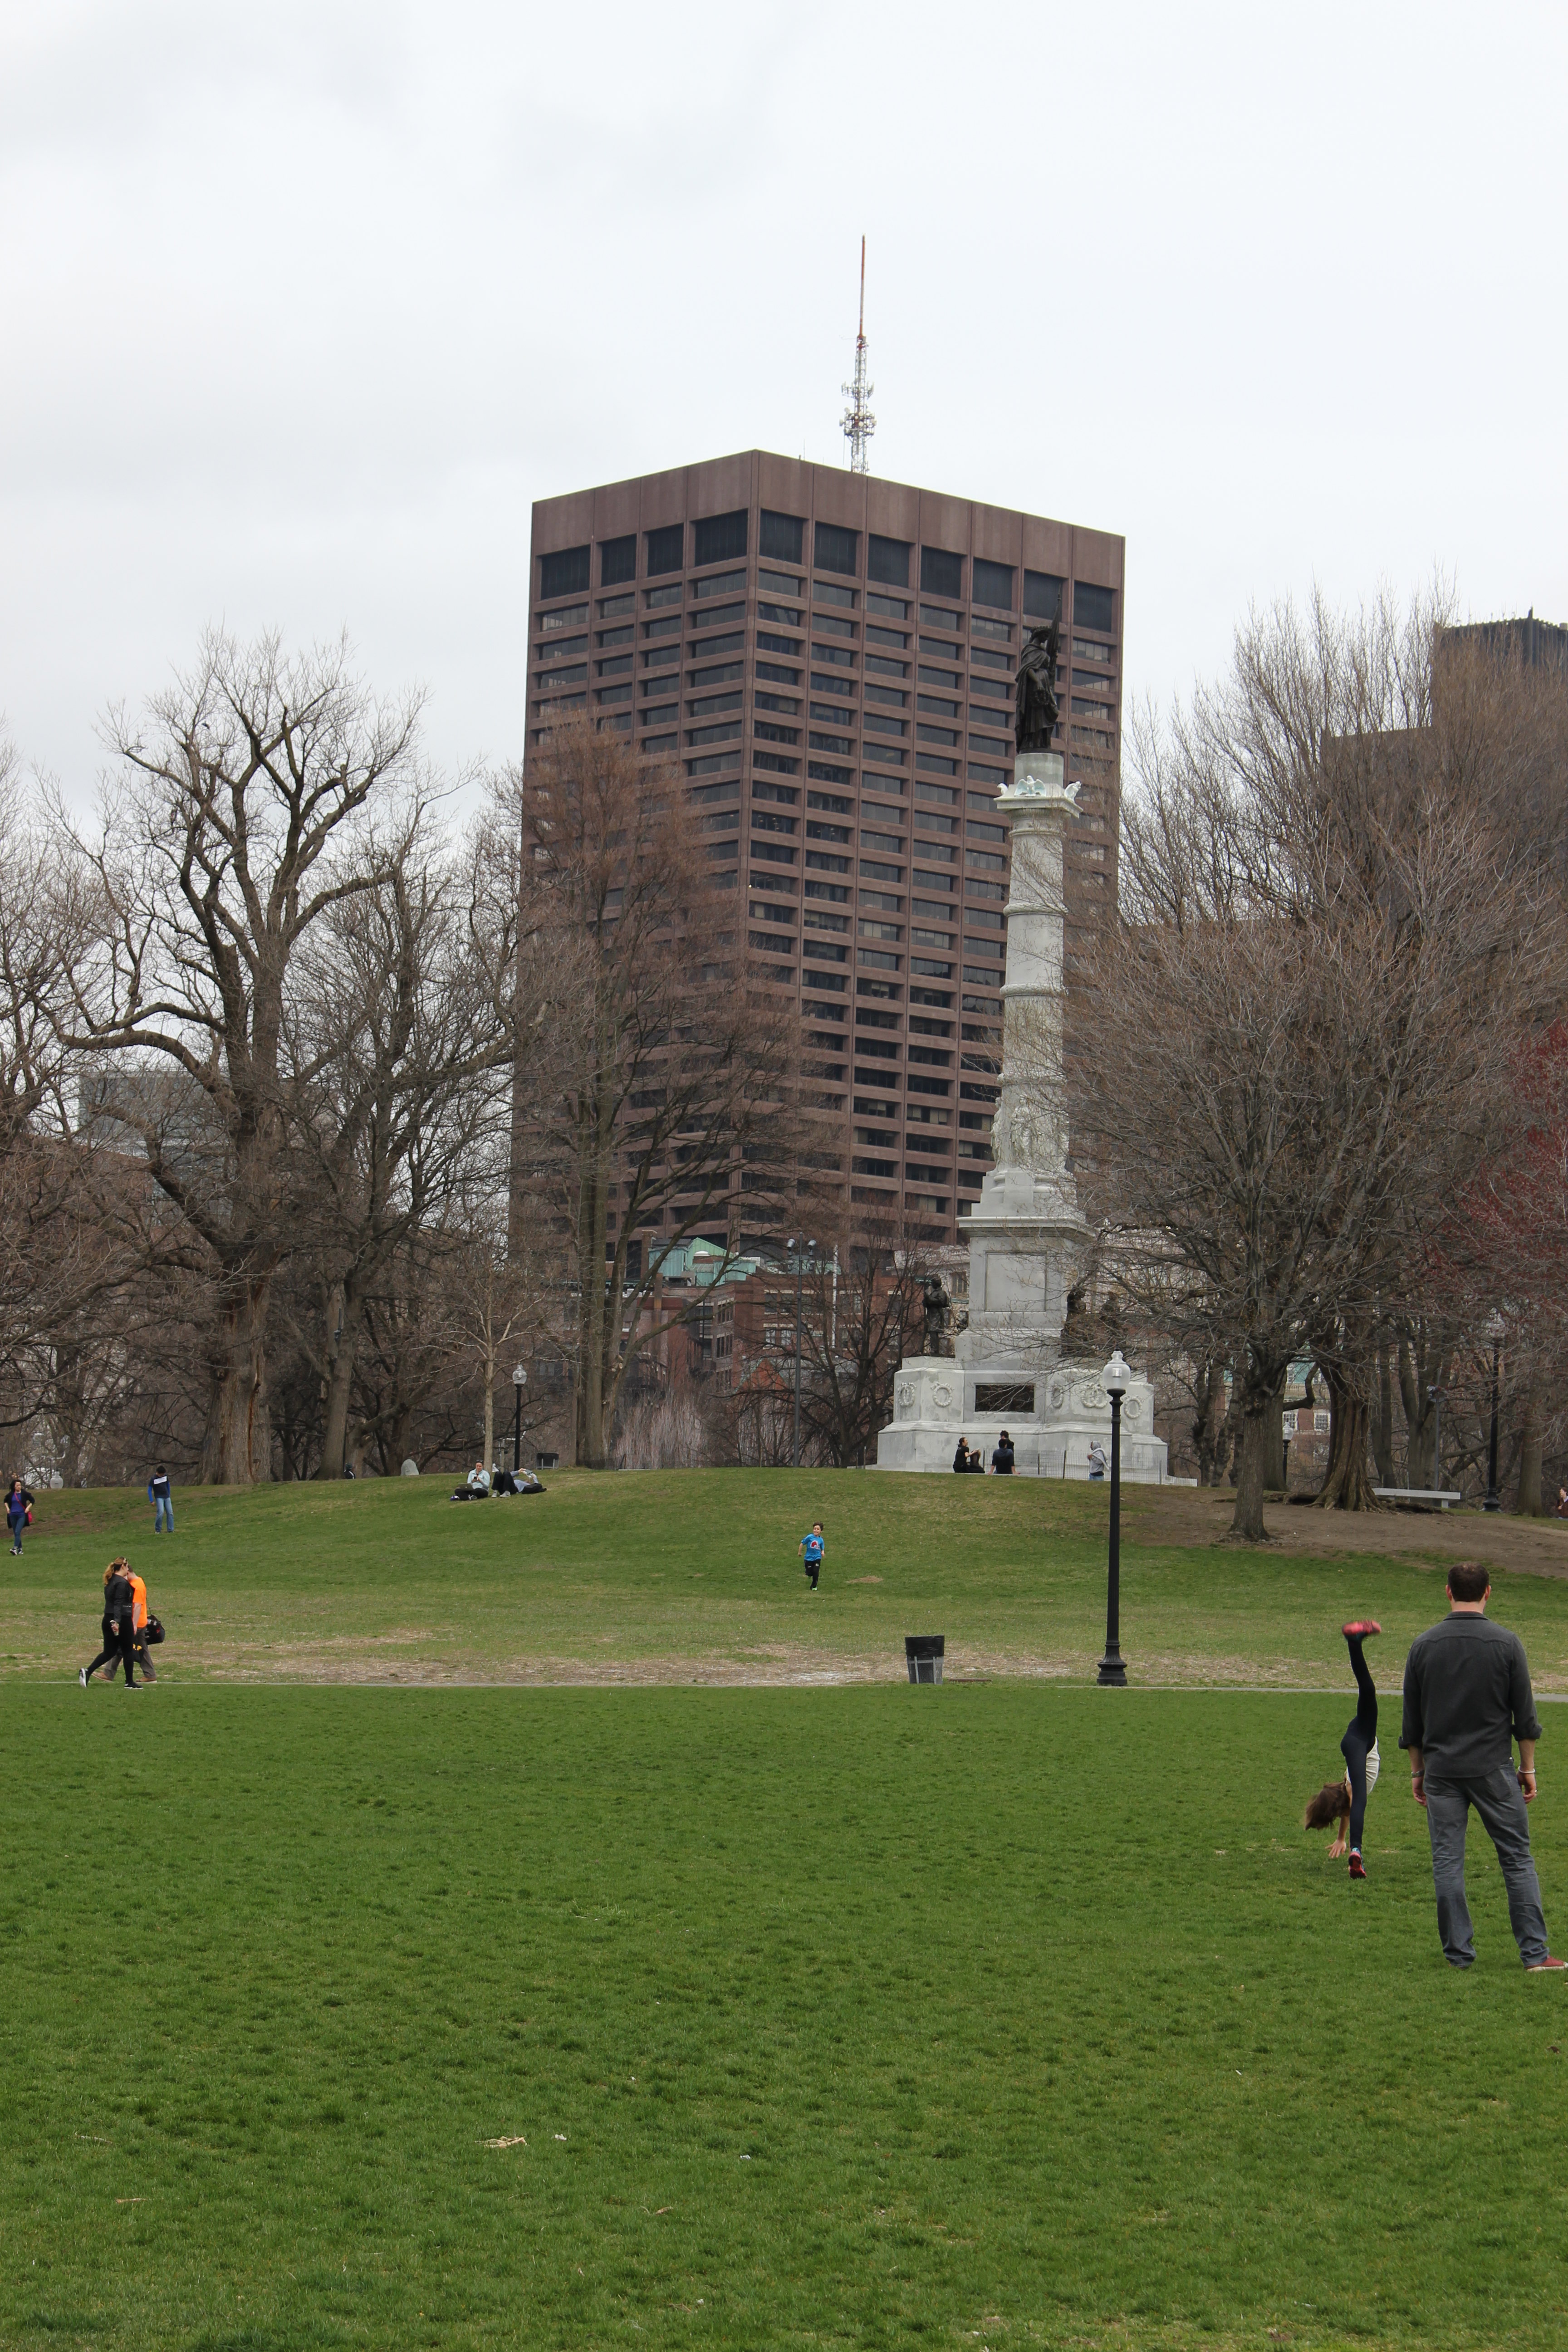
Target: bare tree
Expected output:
[241,815]
[1327,948]
[863,1311]
[404,1008]
[665,1071]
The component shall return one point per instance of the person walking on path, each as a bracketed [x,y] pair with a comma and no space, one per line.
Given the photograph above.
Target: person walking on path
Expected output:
[1344,1802]
[161,1496]
[18,1503]
[1466,1699]
[118,1603]
[812,1547]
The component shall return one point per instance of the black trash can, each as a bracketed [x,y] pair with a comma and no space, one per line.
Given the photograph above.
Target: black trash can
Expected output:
[923,1654]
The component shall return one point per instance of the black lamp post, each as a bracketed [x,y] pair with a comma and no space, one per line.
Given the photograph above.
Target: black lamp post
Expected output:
[1112,1667]
[1435,1396]
[519,1375]
[1495,1329]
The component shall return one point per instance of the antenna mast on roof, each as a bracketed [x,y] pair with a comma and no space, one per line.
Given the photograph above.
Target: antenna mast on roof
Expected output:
[859,422]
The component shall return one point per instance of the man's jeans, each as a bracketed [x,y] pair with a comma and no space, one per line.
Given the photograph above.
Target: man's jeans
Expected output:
[163,1513]
[1496,1796]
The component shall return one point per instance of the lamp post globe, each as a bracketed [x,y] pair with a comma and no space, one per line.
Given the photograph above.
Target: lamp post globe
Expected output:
[1115,1379]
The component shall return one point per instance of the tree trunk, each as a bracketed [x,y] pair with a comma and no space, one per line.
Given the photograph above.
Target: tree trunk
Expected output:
[1528,1505]
[1274,1459]
[237,1450]
[1252,1463]
[1208,1426]
[340,1384]
[599,1314]
[1383,1426]
[1347,1482]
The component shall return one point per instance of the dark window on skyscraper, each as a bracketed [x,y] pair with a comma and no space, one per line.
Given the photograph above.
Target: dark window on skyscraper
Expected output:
[1043,595]
[618,560]
[994,584]
[565,574]
[941,575]
[666,549]
[782,536]
[1093,608]
[837,551]
[888,559]
[720,538]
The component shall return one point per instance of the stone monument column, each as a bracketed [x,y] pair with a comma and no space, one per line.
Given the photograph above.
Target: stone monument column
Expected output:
[1025,1231]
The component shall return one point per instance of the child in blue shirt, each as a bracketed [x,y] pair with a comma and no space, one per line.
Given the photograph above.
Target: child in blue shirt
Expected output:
[812,1547]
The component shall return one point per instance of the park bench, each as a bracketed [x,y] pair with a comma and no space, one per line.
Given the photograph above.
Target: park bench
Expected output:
[1441,1496]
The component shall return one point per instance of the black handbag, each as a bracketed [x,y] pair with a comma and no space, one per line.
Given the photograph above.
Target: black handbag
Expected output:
[153,1632]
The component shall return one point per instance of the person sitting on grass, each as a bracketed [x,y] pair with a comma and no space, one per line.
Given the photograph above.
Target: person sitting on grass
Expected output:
[1343,1802]
[961,1459]
[812,1547]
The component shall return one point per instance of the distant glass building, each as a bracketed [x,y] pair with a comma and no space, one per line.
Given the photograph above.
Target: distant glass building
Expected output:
[830,658]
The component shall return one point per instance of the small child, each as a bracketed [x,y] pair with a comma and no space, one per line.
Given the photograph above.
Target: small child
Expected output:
[812,1547]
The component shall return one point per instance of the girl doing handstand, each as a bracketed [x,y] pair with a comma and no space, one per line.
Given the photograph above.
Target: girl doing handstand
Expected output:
[1344,1802]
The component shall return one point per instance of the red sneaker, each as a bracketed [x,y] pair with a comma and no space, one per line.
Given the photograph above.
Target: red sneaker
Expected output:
[1362,1625]
[1533,1968]
[1358,1870]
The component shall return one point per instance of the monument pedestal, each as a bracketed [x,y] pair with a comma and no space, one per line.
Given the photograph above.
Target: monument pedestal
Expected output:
[1052,1417]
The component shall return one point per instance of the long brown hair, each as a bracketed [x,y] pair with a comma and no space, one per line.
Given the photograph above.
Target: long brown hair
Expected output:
[110,1571]
[1332,1800]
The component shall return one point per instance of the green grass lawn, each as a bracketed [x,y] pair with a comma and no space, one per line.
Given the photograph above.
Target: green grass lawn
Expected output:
[693,1576]
[1006,2015]
[1016,2013]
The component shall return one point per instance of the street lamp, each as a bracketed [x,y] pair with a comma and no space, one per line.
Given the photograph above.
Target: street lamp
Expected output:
[1113,1668]
[1435,1396]
[1495,1328]
[519,1377]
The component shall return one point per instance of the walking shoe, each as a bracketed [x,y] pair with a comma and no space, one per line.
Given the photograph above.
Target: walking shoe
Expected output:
[81,1676]
[1362,1625]
[1534,1967]
[1357,1867]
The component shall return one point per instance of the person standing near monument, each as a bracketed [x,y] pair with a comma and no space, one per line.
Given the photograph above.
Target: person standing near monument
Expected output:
[1467,1700]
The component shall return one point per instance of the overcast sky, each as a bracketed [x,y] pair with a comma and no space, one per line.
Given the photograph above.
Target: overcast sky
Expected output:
[302,305]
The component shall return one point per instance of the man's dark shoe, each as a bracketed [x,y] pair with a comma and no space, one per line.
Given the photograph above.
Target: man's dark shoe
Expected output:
[1362,1625]
[1357,1867]
[1534,1967]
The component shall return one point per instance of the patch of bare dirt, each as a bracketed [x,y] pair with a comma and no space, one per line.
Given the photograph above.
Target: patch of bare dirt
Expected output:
[1187,1516]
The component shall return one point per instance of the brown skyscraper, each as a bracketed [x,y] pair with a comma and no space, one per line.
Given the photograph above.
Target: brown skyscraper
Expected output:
[830,657]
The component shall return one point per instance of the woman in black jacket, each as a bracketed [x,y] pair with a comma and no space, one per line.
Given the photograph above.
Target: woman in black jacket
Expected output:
[119,1629]
[18,1503]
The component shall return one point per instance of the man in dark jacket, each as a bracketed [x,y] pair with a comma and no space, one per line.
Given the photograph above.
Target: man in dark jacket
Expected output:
[1467,1700]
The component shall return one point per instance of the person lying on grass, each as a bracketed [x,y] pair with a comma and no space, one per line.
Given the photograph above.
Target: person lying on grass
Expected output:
[1343,1802]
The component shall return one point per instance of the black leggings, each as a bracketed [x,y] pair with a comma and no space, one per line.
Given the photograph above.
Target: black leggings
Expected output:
[116,1646]
[1360,1732]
